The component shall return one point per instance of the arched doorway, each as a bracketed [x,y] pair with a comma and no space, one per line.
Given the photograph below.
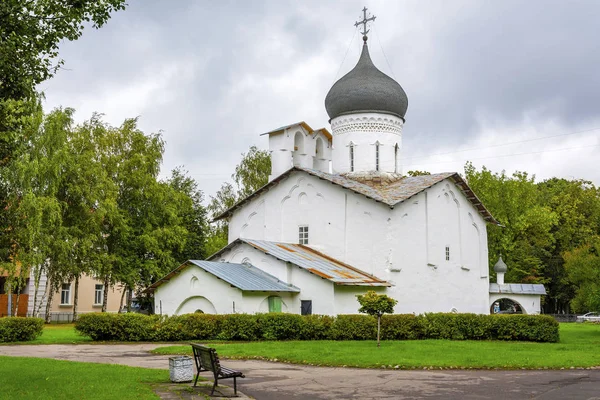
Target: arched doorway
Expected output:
[506,305]
[195,303]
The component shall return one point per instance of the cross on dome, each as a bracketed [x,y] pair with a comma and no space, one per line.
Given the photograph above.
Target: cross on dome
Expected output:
[364,23]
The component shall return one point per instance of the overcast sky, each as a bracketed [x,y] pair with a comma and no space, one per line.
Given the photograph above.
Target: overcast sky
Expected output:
[485,79]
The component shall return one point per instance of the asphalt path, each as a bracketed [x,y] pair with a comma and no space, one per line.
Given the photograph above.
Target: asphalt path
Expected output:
[276,381]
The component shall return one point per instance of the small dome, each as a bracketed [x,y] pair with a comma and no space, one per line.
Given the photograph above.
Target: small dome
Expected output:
[500,266]
[366,89]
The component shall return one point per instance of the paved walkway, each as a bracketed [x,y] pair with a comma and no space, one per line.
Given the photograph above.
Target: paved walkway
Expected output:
[274,381]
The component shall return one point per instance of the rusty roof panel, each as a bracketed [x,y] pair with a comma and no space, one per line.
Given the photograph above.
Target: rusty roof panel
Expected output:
[316,263]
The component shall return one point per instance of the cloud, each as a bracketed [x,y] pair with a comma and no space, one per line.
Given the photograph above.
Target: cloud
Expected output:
[214,75]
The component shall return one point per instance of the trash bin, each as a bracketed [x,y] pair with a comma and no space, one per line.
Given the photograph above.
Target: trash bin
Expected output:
[181,369]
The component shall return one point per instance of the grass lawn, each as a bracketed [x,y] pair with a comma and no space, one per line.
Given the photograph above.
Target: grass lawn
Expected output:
[578,347]
[38,378]
[59,334]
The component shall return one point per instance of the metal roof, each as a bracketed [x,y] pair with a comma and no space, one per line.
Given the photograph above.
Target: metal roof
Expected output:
[518,288]
[307,127]
[390,193]
[313,261]
[366,89]
[243,276]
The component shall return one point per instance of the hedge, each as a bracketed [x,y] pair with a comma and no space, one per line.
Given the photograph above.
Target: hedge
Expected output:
[279,326]
[19,329]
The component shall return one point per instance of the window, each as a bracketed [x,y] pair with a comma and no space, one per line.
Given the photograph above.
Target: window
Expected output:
[303,234]
[65,294]
[396,147]
[99,294]
[351,157]
[306,307]
[274,304]
[447,253]
[377,156]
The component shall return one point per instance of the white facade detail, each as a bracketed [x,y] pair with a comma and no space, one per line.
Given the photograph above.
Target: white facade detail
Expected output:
[404,245]
[364,130]
[298,145]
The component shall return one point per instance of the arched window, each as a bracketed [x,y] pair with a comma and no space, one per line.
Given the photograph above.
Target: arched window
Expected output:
[396,148]
[351,157]
[319,148]
[299,142]
[376,156]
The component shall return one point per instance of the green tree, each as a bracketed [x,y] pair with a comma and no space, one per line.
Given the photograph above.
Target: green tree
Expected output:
[583,268]
[376,304]
[251,174]
[193,215]
[30,34]
[525,237]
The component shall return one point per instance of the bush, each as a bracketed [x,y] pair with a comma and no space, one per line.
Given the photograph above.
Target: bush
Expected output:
[316,327]
[279,326]
[19,329]
[354,327]
[402,327]
[199,326]
[239,327]
[128,327]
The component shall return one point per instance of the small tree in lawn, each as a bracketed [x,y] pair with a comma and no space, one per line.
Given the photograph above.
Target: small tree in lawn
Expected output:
[376,304]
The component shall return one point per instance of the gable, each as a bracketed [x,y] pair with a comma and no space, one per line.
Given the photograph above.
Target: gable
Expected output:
[388,193]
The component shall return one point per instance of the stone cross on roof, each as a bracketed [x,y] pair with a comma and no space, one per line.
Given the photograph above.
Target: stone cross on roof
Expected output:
[364,23]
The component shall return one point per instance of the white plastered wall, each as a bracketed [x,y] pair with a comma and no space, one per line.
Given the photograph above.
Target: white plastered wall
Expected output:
[295,146]
[193,289]
[364,131]
[404,245]
[315,288]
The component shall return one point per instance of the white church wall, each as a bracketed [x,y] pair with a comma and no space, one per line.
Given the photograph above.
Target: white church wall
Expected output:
[405,245]
[312,287]
[258,302]
[364,130]
[295,146]
[193,289]
[531,304]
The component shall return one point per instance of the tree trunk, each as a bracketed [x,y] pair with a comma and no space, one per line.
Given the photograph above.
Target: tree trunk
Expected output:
[129,298]
[37,274]
[105,297]
[9,305]
[122,300]
[49,303]
[378,328]
[75,298]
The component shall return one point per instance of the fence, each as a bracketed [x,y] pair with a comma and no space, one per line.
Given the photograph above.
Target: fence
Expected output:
[564,317]
[55,317]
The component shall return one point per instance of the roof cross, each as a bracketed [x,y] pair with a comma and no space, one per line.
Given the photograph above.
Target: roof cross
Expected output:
[364,23]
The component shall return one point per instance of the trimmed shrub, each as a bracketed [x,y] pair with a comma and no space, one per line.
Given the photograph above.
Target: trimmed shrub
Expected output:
[239,327]
[128,327]
[316,327]
[199,326]
[280,326]
[354,327]
[402,327]
[20,329]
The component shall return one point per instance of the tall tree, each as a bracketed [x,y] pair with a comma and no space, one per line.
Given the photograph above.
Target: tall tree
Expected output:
[583,268]
[30,34]
[525,237]
[250,175]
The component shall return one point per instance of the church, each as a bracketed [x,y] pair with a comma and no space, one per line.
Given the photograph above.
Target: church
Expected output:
[338,218]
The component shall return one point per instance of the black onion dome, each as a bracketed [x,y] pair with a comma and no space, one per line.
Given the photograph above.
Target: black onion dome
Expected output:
[366,89]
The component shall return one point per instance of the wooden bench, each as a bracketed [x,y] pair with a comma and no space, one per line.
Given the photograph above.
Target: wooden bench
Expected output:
[206,359]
